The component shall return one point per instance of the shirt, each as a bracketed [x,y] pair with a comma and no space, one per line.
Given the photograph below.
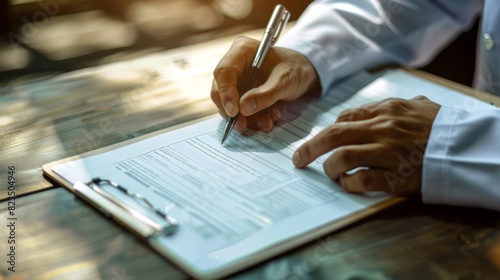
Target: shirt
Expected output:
[462,159]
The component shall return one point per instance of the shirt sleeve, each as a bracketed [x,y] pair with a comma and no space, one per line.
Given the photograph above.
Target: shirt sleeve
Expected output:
[462,159]
[342,37]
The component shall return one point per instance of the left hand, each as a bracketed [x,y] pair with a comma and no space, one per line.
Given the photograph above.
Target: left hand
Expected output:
[387,139]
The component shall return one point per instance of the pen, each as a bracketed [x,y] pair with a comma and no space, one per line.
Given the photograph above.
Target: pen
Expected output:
[276,24]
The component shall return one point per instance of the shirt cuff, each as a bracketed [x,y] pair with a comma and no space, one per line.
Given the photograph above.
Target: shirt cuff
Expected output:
[434,164]
[461,161]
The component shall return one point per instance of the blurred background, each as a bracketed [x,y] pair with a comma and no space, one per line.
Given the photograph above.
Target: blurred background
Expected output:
[40,38]
[45,37]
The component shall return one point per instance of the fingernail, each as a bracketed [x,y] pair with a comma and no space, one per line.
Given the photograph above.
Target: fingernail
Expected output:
[229,107]
[239,126]
[261,124]
[276,114]
[297,161]
[250,106]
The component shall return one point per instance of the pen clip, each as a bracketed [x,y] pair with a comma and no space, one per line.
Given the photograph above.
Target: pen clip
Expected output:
[284,17]
[273,30]
[146,225]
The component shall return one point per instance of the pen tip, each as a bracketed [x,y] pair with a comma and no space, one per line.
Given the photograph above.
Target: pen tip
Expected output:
[227,129]
[223,139]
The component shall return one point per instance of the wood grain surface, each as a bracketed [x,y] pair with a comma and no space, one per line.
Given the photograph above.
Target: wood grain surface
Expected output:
[60,237]
[65,115]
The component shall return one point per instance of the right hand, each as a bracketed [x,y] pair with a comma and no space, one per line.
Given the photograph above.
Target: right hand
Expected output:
[285,75]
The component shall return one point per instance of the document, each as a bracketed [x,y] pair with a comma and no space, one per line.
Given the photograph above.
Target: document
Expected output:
[242,201]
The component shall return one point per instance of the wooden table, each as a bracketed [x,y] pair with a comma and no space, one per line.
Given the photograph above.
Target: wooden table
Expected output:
[60,237]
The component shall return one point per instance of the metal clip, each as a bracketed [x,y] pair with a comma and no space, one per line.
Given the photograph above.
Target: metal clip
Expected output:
[146,225]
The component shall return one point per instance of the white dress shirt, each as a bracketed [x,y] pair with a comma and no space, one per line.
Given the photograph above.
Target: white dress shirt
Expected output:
[462,159]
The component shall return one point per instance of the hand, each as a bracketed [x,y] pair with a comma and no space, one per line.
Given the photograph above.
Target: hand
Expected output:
[284,76]
[386,139]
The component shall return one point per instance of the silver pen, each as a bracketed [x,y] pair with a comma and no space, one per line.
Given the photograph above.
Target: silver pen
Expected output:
[276,24]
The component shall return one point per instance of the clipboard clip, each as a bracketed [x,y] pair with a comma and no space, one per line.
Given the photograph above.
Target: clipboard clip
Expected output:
[142,218]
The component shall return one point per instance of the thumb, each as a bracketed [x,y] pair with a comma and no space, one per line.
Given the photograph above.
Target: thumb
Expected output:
[279,86]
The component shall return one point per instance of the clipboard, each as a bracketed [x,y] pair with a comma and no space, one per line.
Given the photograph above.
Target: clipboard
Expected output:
[143,229]
[168,237]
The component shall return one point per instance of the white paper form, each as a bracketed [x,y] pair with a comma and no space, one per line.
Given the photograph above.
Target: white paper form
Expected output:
[236,200]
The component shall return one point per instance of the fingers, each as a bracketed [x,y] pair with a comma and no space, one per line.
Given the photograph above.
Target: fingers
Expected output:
[370,110]
[241,123]
[374,109]
[260,98]
[285,75]
[225,81]
[372,162]
[366,180]
[280,85]
[334,136]
[420,98]
[224,91]
[356,114]
[379,141]
[380,180]
[214,94]
[363,112]
[349,157]
[264,120]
